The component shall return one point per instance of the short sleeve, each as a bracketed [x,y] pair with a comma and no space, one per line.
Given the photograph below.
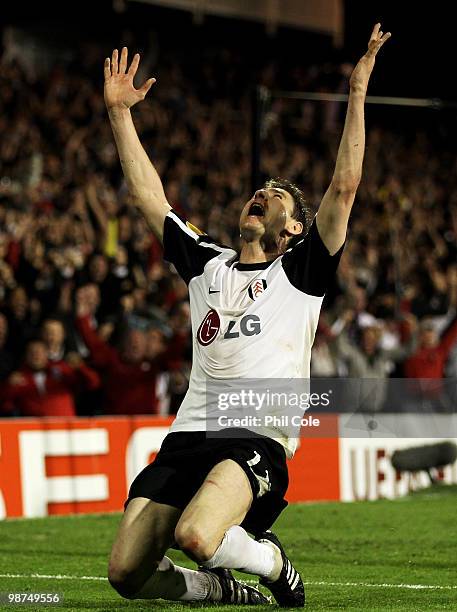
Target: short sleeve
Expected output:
[309,266]
[187,247]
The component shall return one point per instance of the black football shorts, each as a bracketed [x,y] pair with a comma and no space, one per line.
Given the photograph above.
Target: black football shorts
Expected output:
[186,458]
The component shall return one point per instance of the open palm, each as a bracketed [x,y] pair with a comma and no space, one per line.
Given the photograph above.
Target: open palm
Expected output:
[119,89]
[363,69]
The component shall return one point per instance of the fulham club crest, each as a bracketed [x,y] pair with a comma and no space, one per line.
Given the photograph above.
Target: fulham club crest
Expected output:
[256,288]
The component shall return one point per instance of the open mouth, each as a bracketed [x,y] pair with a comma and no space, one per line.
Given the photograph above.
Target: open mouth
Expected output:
[256,210]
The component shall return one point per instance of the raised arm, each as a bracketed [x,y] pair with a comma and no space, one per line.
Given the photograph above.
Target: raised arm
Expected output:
[333,215]
[142,179]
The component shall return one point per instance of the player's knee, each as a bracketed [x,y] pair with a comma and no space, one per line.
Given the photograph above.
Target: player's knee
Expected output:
[194,542]
[125,580]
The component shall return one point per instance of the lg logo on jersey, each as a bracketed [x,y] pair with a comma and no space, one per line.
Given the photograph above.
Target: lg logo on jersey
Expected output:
[209,328]
[249,325]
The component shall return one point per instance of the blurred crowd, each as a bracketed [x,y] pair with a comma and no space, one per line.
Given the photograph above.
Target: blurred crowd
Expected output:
[92,321]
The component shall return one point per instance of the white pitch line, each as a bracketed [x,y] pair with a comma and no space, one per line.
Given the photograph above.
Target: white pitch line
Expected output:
[53,577]
[383,585]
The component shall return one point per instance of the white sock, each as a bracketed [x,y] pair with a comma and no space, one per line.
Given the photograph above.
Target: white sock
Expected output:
[177,583]
[239,551]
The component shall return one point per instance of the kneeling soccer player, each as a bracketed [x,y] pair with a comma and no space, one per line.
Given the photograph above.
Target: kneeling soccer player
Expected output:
[254,315]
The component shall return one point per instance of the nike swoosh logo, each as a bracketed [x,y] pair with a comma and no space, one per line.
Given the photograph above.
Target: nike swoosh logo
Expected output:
[213,291]
[264,481]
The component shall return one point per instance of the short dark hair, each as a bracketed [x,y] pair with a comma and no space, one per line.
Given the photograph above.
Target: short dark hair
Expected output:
[302,212]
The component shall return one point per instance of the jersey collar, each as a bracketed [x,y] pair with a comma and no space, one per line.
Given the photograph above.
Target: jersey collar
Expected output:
[263,265]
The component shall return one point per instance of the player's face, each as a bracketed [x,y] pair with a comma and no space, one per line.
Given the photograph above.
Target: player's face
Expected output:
[267,216]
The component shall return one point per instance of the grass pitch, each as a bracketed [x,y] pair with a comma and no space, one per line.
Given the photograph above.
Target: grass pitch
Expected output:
[384,555]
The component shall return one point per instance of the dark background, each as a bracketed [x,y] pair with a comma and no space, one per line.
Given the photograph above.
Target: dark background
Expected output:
[419,59]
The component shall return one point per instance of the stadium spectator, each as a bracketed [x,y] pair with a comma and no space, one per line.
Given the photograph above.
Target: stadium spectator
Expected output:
[323,360]
[130,372]
[42,388]
[53,335]
[429,360]
[367,358]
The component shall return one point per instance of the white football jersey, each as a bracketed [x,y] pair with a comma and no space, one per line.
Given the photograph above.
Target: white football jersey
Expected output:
[249,321]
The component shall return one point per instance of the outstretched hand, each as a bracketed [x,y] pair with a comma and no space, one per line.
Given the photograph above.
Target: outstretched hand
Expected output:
[119,89]
[361,73]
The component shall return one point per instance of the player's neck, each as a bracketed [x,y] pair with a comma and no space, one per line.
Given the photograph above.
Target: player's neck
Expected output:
[254,252]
